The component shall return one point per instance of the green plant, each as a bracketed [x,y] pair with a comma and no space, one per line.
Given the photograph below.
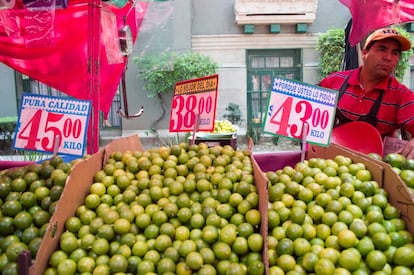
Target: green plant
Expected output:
[404,63]
[161,72]
[32,155]
[233,114]
[331,48]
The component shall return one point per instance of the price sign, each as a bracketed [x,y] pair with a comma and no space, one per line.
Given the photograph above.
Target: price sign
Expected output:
[194,98]
[293,104]
[52,124]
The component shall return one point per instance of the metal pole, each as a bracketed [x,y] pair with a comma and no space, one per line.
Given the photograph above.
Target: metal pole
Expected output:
[94,53]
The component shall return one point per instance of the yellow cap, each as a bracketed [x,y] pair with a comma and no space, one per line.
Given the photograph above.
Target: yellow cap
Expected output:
[388,33]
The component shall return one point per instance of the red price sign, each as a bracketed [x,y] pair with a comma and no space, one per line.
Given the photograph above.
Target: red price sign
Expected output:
[194,98]
[293,104]
[52,124]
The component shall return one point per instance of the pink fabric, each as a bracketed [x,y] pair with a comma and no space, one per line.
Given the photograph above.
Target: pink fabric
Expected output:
[51,46]
[369,15]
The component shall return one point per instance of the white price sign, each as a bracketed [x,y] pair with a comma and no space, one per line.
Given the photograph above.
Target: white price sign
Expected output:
[194,98]
[293,104]
[52,124]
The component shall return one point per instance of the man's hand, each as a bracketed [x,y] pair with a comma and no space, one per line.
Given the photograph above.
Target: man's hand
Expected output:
[408,150]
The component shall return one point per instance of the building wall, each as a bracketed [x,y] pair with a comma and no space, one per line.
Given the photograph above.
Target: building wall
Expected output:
[209,27]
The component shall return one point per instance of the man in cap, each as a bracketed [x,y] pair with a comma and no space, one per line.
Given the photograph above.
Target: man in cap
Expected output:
[371,93]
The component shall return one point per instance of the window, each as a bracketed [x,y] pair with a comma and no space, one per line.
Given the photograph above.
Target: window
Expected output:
[33,86]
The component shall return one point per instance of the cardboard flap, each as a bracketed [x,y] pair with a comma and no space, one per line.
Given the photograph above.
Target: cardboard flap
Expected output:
[73,195]
[399,196]
[262,189]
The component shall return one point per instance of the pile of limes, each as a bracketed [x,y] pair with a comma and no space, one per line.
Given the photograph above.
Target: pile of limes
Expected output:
[183,209]
[403,166]
[328,216]
[28,197]
[224,127]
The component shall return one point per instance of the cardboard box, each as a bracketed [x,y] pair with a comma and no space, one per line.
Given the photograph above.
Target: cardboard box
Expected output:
[398,193]
[73,195]
[81,177]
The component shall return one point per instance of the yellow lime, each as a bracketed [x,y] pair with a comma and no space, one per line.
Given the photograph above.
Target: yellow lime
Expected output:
[347,238]
[376,260]
[286,262]
[350,259]
[324,267]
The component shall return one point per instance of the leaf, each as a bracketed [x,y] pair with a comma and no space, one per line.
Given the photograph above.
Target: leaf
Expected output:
[160,72]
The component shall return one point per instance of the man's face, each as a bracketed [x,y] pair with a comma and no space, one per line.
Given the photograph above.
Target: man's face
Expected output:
[382,57]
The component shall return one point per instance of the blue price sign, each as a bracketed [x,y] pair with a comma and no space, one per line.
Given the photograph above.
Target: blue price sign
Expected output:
[52,124]
[296,109]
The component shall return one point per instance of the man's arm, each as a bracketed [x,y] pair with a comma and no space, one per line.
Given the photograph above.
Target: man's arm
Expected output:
[408,150]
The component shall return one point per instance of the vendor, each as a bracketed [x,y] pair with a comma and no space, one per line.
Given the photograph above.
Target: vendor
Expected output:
[371,93]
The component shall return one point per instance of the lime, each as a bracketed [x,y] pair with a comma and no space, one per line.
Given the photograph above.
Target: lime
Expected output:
[222,250]
[301,246]
[57,257]
[100,246]
[381,240]
[329,253]
[67,266]
[365,245]
[162,242]
[14,249]
[245,230]
[186,247]
[194,260]
[145,267]
[22,220]
[404,256]
[309,260]
[294,231]
[285,246]
[69,243]
[395,159]
[255,242]
[166,265]
[376,260]
[228,234]
[286,262]
[11,207]
[153,256]
[350,259]
[347,238]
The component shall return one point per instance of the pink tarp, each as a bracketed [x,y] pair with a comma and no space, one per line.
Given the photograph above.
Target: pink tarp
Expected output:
[369,15]
[51,45]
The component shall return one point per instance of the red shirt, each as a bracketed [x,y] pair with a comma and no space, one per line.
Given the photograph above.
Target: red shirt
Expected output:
[397,107]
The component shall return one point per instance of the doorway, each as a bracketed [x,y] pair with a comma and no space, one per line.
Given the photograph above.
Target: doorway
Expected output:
[262,67]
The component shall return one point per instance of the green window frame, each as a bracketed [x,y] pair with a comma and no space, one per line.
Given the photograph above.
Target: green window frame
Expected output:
[262,67]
